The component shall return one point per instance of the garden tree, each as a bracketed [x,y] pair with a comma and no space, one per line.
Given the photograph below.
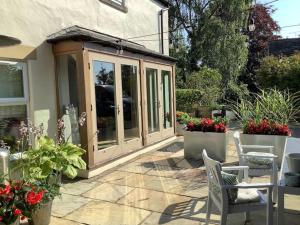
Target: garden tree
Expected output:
[265,31]
[212,28]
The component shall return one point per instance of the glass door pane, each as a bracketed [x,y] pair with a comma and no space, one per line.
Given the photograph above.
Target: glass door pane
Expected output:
[152,100]
[104,80]
[130,101]
[166,86]
[68,95]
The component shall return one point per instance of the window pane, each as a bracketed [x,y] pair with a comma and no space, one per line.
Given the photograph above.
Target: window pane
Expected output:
[167,98]
[118,1]
[10,118]
[11,81]
[68,95]
[104,79]
[130,101]
[152,100]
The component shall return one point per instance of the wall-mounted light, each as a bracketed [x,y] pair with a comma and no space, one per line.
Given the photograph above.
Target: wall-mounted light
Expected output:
[251,26]
[6,41]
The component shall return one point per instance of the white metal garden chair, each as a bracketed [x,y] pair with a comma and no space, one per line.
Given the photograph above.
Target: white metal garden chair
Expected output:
[221,198]
[260,163]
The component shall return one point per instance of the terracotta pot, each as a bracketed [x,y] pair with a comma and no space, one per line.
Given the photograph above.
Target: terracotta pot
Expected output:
[42,216]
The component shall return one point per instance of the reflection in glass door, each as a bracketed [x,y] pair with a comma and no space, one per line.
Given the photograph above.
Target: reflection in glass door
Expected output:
[130,101]
[104,81]
[152,100]
[166,89]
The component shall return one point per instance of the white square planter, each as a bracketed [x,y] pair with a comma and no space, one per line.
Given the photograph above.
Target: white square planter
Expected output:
[180,129]
[274,140]
[214,143]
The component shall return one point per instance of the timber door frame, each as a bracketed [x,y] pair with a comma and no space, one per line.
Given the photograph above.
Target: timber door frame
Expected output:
[162,133]
[123,146]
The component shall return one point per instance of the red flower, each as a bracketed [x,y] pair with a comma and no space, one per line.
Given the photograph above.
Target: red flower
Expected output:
[17,212]
[33,198]
[1,218]
[190,126]
[5,191]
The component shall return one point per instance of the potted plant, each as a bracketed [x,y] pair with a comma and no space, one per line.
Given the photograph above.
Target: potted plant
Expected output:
[11,203]
[265,119]
[206,133]
[38,201]
[181,120]
[43,163]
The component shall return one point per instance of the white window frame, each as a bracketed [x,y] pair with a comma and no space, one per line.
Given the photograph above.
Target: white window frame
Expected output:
[122,6]
[18,101]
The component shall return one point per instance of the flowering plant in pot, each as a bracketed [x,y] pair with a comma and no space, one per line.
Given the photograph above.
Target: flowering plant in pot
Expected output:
[181,120]
[217,125]
[206,133]
[43,164]
[38,201]
[11,203]
[266,127]
[182,117]
[265,118]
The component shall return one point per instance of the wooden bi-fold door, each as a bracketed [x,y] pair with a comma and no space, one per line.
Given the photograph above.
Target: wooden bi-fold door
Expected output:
[116,108]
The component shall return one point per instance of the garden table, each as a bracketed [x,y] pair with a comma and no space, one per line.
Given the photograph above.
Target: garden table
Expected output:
[292,146]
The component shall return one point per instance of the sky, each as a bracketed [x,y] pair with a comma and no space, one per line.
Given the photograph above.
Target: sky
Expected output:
[287,13]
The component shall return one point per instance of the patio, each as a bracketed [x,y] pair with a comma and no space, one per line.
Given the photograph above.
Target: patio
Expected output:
[160,187]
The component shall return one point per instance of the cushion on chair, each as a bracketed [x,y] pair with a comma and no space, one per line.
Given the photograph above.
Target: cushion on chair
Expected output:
[230,179]
[256,160]
[247,195]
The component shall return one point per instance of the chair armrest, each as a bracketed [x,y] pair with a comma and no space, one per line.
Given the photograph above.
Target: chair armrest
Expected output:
[227,168]
[239,168]
[271,148]
[268,157]
[247,186]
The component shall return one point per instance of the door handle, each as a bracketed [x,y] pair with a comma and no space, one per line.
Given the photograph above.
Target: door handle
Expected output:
[118,109]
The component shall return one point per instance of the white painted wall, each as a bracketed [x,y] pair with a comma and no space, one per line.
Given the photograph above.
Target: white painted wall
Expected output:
[33,20]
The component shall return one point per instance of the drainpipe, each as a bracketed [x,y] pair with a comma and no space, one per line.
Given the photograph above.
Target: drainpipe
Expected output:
[162,29]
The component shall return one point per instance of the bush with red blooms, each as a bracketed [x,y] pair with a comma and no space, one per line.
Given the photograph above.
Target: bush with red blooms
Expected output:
[11,201]
[21,199]
[217,125]
[265,127]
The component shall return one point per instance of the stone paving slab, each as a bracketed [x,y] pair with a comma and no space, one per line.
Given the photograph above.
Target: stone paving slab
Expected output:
[105,213]
[155,201]
[77,188]
[60,221]
[67,204]
[108,192]
[157,218]
[160,187]
[136,167]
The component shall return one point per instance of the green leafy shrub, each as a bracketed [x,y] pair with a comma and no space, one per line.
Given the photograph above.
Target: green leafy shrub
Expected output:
[209,82]
[187,98]
[182,117]
[281,73]
[48,157]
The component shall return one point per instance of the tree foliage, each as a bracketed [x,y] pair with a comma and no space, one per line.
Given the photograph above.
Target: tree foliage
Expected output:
[208,81]
[265,31]
[280,72]
[214,38]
